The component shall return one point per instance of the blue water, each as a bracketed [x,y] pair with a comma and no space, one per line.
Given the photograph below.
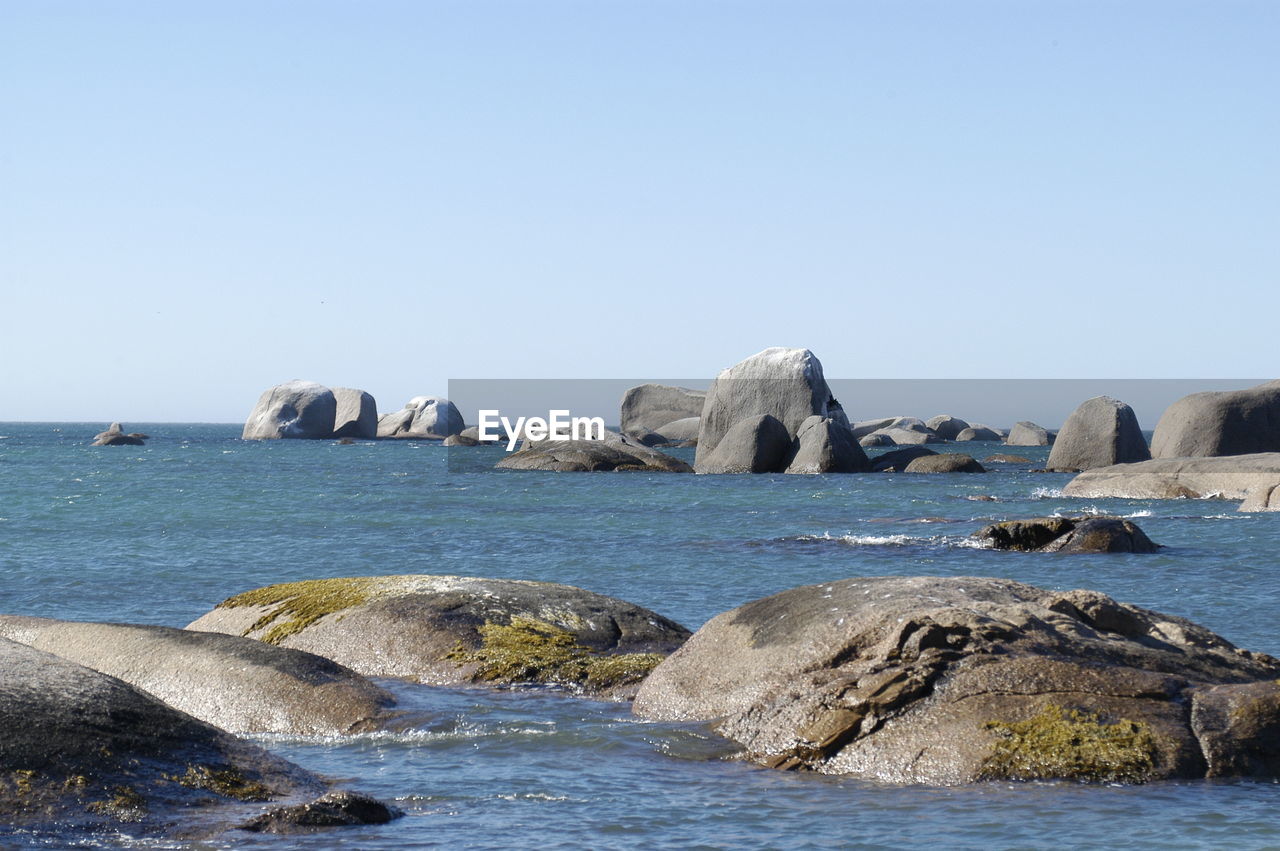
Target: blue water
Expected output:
[161,533]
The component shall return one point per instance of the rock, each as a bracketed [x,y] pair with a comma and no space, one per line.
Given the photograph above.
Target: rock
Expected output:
[1223,477]
[1238,422]
[876,438]
[947,462]
[977,433]
[239,685]
[862,428]
[336,809]
[785,384]
[904,436]
[958,679]
[1026,433]
[460,440]
[647,438]
[83,751]
[1101,432]
[1262,499]
[1068,535]
[295,409]
[946,426]
[357,414]
[115,436]
[680,431]
[898,460]
[473,433]
[422,417]
[451,630]
[614,452]
[825,446]
[1001,458]
[759,444]
[649,406]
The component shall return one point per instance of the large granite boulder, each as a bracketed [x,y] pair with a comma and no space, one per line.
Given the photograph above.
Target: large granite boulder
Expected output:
[946,426]
[903,431]
[862,428]
[422,417]
[649,406]
[978,432]
[758,444]
[1237,422]
[295,409]
[357,414]
[1101,432]
[1068,535]
[452,630]
[944,462]
[1244,477]
[614,452]
[785,384]
[680,431]
[876,438]
[115,436]
[823,445]
[1027,433]
[240,685]
[959,679]
[1262,499]
[85,753]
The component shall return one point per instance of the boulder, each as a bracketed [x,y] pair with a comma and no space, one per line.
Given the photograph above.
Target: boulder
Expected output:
[1238,422]
[473,433]
[680,431]
[647,438]
[1262,499]
[614,452]
[240,685]
[758,444]
[295,409]
[862,428]
[825,446]
[336,809]
[1068,535]
[876,438]
[1222,477]
[422,417]
[946,680]
[1101,432]
[649,406]
[785,384]
[1026,433]
[946,426]
[946,462]
[905,436]
[84,752]
[115,436]
[357,414]
[977,432]
[898,460]
[452,630]
[460,440]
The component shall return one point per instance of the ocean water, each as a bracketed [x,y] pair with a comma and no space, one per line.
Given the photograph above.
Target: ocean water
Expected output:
[160,534]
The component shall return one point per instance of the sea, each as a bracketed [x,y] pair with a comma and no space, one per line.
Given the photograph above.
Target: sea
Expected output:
[159,534]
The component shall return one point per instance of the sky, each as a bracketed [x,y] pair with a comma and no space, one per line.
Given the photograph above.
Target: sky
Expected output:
[200,200]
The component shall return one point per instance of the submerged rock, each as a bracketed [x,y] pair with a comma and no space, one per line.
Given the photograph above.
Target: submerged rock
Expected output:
[945,462]
[955,680]
[1238,422]
[1224,477]
[295,409]
[1068,535]
[650,406]
[336,809]
[1101,432]
[615,452]
[898,460]
[115,436]
[240,685]
[451,630]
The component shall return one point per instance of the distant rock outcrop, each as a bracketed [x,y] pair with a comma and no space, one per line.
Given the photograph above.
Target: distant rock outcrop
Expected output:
[357,414]
[422,417]
[944,462]
[1101,432]
[680,431]
[614,452]
[946,680]
[115,436]
[649,406]
[783,385]
[978,432]
[1238,422]
[946,426]
[1026,433]
[295,409]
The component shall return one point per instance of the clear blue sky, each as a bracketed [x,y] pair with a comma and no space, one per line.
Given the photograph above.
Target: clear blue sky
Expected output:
[201,199]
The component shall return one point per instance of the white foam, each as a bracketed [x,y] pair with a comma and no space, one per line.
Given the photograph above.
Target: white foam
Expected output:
[1046,493]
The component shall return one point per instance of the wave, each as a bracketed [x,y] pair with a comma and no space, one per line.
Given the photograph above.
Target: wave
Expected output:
[415,736]
[935,541]
[1047,493]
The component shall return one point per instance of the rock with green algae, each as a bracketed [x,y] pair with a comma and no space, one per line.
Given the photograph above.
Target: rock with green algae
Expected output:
[86,754]
[452,630]
[960,679]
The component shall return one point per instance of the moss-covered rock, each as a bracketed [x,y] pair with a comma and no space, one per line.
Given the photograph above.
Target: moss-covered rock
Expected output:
[1057,743]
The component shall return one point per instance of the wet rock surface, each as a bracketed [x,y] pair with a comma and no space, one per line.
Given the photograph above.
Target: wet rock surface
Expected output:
[1068,535]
